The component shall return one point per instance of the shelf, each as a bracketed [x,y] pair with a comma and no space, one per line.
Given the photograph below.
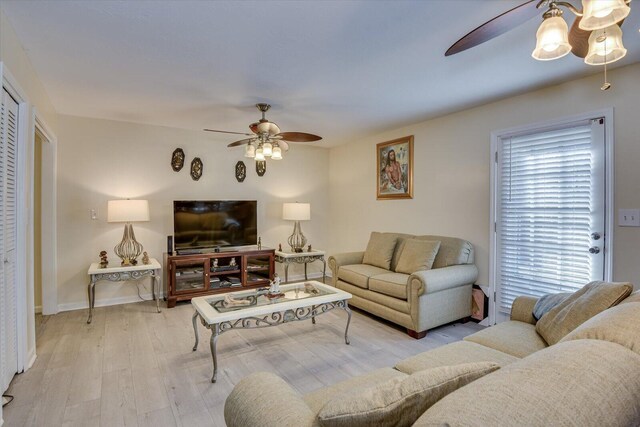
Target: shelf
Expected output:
[223,272]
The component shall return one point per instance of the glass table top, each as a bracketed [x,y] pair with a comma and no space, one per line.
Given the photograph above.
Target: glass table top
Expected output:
[235,301]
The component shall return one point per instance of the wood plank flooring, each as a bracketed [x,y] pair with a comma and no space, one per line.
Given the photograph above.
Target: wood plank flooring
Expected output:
[135,367]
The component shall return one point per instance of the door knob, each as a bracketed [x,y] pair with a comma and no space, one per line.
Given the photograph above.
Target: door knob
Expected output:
[595,236]
[594,250]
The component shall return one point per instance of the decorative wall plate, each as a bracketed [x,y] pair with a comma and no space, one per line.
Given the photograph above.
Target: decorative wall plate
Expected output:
[261,167]
[177,159]
[241,171]
[196,168]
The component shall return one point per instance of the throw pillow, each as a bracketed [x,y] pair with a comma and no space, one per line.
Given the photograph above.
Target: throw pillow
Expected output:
[634,297]
[547,302]
[400,401]
[579,307]
[417,255]
[380,249]
[618,324]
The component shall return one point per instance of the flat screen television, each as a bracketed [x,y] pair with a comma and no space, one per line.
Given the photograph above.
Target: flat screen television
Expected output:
[210,224]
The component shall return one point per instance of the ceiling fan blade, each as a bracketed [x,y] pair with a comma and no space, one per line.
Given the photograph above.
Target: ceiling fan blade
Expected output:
[496,26]
[579,39]
[226,131]
[241,142]
[299,137]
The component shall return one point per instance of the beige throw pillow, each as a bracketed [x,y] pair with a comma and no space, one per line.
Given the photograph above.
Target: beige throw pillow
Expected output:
[417,255]
[380,249]
[592,299]
[619,324]
[400,401]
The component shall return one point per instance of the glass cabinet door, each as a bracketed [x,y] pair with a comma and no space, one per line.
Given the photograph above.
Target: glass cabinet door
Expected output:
[258,269]
[191,275]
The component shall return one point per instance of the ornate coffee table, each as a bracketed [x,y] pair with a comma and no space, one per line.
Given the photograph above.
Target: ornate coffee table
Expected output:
[301,301]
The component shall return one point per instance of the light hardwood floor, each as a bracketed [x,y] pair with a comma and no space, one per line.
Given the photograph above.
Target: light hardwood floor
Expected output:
[135,367]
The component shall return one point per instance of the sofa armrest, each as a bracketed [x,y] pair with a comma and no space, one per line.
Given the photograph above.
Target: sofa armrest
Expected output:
[346,258]
[522,309]
[439,279]
[264,399]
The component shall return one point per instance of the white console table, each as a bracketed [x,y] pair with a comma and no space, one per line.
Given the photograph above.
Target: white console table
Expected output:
[122,274]
[286,258]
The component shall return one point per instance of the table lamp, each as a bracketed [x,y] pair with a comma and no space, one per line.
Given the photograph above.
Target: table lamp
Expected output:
[296,212]
[128,211]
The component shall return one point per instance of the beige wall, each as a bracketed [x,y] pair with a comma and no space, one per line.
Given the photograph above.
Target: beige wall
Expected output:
[99,160]
[452,169]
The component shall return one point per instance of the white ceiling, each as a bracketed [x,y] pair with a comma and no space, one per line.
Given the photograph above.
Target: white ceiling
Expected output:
[340,69]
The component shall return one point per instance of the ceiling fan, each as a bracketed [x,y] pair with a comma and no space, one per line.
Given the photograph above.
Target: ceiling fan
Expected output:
[595,34]
[266,139]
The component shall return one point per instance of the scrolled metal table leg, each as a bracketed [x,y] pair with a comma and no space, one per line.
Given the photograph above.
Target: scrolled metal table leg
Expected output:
[195,329]
[92,299]
[215,332]
[156,290]
[313,318]
[346,330]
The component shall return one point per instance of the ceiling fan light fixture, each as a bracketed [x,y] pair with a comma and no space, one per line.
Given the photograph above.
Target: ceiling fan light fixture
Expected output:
[599,14]
[605,46]
[552,39]
[267,149]
[259,154]
[250,151]
[277,153]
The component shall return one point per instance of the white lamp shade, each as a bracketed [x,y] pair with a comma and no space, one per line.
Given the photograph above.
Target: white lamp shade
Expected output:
[598,14]
[552,39]
[259,154]
[605,46]
[250,151]
[277,153]
[267,149]
[127,210]
[296,211]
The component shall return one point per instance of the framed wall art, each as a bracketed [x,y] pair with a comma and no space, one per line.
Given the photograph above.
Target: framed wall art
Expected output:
[394,163]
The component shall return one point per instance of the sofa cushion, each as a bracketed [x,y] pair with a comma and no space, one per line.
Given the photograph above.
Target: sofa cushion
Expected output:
[634,297]
[579,307]
[359,274]
[518,339]
[575,383]
[620,324]
[317,399]
[400,401]
[417,255]
[392,284]
[376,298]
[380,249]
[452,354]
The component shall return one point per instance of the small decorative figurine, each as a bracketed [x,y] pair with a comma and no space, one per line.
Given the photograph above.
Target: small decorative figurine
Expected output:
[309,248]
[232,263]
[259,243]
[145,258]
[215,263]
[280,247]
[104,262]
[274,288]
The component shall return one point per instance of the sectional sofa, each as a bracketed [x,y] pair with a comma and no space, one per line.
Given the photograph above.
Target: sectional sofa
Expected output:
[590,377]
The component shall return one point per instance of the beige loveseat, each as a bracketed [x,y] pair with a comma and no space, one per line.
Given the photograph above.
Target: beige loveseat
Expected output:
[590,378]
[418,301]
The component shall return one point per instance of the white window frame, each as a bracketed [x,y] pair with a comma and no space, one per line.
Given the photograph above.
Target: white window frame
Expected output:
[497,135]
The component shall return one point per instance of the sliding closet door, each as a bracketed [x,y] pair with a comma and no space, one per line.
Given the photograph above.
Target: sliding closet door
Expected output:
[8,234]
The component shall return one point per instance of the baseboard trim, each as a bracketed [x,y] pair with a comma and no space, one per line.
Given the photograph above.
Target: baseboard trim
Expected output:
[38,309]
[300,277]
[79,305]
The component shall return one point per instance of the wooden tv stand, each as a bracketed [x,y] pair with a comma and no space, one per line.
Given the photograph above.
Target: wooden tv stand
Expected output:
[196,275]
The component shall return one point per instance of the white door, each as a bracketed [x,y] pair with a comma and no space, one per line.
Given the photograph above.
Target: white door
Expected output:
[8,233]
[550,211]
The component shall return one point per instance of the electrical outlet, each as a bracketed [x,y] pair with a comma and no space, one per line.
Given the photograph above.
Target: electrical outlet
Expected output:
[629,218]
[94,214]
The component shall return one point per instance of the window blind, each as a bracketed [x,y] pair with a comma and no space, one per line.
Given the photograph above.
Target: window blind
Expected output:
[545,213]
